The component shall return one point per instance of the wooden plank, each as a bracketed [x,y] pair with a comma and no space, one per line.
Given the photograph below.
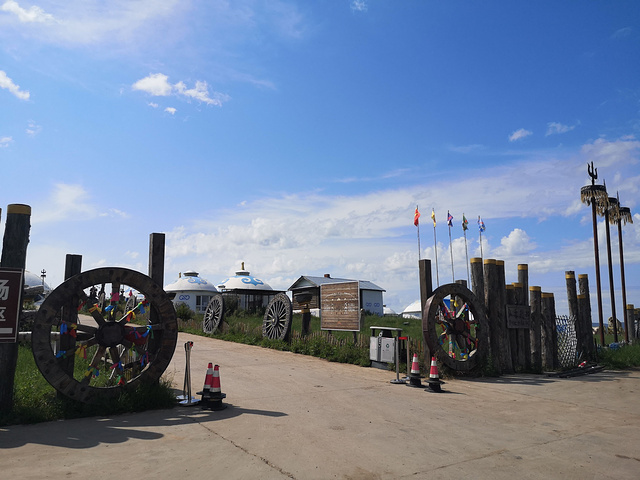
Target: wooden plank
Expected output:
[340,306]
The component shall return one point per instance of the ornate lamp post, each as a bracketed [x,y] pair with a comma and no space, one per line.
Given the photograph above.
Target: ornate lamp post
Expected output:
[43,274]
[610,216]
[596,196]
[623,215]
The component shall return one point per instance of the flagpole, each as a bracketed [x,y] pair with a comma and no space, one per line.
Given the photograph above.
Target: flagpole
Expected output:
[417,222]
[466,248]
[449,221]
[435,244]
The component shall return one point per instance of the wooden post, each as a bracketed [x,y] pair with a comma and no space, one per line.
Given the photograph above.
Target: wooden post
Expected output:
[14,255]
[506,361]
[523,340]
[426,290]
[535,334]
[512,333]
[73,266]
[491,302]
[633,329]
[550,338]
[156,257]
[477,278]
[585,342]
[523,295]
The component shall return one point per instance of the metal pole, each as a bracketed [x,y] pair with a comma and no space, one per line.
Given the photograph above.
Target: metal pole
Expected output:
[613,300]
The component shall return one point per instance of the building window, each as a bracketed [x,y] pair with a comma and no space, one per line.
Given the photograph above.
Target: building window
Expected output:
[201,302]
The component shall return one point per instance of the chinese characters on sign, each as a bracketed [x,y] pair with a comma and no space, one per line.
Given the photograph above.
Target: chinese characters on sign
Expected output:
[10,298]
[340,306]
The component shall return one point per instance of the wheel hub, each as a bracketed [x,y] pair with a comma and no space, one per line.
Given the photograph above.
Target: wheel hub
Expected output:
[110,334]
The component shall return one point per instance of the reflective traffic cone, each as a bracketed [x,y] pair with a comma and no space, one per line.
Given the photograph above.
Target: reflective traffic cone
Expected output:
[208,382]
[216,395]
[434,379]
[414,377]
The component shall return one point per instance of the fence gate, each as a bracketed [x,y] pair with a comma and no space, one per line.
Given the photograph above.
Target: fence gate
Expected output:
[567,341]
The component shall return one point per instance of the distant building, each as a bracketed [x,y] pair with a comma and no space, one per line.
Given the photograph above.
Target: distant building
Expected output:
[413,311]
[250,292]
[370,293]
[193,291]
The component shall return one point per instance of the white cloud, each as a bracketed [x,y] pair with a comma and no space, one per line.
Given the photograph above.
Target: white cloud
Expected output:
[34,14]
[33,128]
[153,105]
[170,110]
[519,135]
[66,202]
[359,6]
[5,141]
[605,153]
[7,84]
[555,128]
[157,84]
[516,243]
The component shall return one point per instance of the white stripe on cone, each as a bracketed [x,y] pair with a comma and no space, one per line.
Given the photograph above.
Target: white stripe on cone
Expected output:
[415,368]
[208,379]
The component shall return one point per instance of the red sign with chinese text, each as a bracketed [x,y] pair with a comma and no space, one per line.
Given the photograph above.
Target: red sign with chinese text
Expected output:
[10,297]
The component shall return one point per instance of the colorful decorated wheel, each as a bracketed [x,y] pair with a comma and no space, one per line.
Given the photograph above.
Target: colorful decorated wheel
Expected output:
[87,351]
[454,327]
[213,314]
[277,318]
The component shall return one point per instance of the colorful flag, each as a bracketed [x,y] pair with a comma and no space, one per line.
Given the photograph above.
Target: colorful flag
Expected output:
[464,223]
[481,224]
[416,217]
[433,217]
[449,219]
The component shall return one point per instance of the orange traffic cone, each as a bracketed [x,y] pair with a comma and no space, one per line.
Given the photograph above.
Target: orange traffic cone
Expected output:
[216,395]
[414,377]
[434,379]
[208,382]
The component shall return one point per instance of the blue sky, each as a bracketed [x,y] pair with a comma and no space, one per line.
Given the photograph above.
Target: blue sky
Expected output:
[299,137]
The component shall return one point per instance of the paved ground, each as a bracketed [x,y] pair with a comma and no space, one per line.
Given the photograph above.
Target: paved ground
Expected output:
[291,416]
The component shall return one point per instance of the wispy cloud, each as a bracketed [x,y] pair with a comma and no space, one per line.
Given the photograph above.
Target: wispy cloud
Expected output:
[5,141]
[622,32]
[34,14]
[359,6]
[555,128]
[157,84]
[519,135]
[33,128]
[170,110]
[67,201]
[7,84]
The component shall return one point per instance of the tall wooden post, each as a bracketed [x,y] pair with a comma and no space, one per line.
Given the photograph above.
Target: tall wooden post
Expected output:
[512,333]
[491,302]
[14,255]
[477,278]
[506,361]
[633,329]
[535,334]
[73,266]
[550,339]
[527,338]
[584,310]
[156,272]
[426,290]
[523,335]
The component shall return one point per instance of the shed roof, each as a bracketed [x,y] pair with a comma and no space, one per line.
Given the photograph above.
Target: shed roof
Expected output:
[311,281]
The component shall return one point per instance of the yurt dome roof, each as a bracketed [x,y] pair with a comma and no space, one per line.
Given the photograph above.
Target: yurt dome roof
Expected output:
[191,282]
[243,280]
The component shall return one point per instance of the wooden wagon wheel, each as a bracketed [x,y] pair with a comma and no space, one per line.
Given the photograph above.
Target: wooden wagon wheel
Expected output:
[277,318]
[113,349]
[454,327]
[213,314]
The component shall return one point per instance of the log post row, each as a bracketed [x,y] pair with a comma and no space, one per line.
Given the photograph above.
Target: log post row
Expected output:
[491,303]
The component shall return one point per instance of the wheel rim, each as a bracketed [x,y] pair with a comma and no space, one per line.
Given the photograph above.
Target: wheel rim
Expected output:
[101,352]
[453,325]
[213,314]
[277,318]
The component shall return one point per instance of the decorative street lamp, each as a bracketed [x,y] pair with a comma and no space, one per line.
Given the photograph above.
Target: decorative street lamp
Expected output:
[596,196]
[623,214]
[610,216]
[43,274]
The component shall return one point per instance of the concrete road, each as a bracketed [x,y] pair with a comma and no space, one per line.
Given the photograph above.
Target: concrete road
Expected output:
[291,416]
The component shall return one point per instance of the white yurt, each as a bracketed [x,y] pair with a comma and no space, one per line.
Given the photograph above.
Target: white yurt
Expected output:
[413,310]
[251,292]
[192,290]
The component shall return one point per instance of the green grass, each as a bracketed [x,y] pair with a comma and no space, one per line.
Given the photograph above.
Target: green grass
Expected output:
[36,401]
[626,356]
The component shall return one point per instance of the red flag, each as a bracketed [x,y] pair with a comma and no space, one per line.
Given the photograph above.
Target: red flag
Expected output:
[416,217]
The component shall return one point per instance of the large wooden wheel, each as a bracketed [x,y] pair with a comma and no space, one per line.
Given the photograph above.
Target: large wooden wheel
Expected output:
[213,314]
[89,352]
[454,327]
[277,318]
